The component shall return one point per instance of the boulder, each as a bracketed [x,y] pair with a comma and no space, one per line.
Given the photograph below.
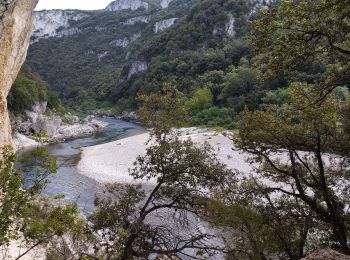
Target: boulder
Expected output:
[326,254]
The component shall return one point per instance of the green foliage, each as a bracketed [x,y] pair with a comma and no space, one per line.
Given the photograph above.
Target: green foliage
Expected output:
[202,99]
[182,55]
[182,172]
[240,89]
[162,111]
[14,201]
[45,223]
[28,90]
[214,116]
[303,134]
[291,35]
[24,215]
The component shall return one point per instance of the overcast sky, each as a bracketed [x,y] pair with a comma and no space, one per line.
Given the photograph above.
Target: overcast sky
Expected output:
[72,4]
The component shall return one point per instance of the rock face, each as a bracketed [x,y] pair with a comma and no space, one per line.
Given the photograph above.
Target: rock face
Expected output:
[15,32]
[127,5]
[165,3]
[137,67]
[46,23]
[124,42]
[230,27]
[260,4]
[58,128]
[164,24]
[326,255]
[138,19]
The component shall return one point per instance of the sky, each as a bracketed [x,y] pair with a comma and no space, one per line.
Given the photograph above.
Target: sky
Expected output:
[72,4]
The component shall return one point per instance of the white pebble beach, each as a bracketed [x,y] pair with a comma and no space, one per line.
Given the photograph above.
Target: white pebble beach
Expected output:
[110,162]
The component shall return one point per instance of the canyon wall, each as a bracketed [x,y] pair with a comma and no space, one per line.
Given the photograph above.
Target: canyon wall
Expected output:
[15,32]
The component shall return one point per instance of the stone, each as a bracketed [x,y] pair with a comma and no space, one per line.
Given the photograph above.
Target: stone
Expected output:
[326,254]
[163,24]
[15,31]
[137,67]
[230,27]
[53,23]
[138,19]
[127,5]
[124,42]
[165,3]
[101,55]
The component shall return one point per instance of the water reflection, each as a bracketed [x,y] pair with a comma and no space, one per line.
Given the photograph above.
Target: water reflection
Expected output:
[67,181]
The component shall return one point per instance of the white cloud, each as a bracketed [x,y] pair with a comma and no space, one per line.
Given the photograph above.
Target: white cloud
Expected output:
[72,4]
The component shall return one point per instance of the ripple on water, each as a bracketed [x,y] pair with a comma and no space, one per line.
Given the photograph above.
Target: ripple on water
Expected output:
[67,181]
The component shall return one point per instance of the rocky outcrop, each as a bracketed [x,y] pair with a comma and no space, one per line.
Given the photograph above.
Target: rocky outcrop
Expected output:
[326,254]
[52,23]
[101,55]
[127,5]
[15,31]
[138,19]
[164,24]
[57,128]
[124,42]
[258,5]
[137,67]
[230,27]
[21,141]
[165,3]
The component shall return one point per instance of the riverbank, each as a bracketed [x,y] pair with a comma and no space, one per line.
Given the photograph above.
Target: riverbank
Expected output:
[59,133]
[110,162]
[57,127]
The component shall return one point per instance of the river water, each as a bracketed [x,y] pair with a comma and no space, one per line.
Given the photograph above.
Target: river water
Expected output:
[80,189]
[67,181]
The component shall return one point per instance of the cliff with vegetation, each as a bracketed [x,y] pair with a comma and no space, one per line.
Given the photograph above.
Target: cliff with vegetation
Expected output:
[134,47]
[15,32]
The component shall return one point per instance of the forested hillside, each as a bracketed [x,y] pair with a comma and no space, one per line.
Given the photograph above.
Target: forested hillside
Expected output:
[28,90]
[112,56]
[275,187]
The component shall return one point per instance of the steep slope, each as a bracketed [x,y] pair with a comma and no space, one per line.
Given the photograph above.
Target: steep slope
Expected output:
[104,59]
[46,23]
[15,31]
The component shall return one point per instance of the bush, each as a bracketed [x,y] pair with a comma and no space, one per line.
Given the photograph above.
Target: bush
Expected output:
[28,90]
[216,117]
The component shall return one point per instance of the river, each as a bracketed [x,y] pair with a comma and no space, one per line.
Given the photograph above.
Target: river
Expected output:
[67,181]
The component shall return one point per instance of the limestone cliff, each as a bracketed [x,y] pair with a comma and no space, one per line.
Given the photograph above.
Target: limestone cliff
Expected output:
[51,23]
[133,5]
[15,31]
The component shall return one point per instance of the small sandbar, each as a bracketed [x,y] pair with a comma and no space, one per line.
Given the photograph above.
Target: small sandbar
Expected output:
[111,162]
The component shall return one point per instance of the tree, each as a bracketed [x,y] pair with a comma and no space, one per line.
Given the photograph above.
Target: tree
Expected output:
[294,33]
[22,215]
[202,99]
[240,88]
[256,230]
[163,110]
[303,154]
[158,217]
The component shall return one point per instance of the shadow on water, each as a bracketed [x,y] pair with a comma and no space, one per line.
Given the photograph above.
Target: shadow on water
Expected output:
[67,181]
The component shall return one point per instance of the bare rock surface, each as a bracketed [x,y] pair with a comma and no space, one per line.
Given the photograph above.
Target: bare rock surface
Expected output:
[15,32]
[163,25]
[127,5]
[326,254]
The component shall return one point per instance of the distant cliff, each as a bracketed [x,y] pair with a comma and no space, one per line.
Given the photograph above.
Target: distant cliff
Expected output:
[53,23]
[104,58]
[15,31]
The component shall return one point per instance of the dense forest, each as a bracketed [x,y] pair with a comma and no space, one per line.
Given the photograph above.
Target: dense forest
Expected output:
[281,82]
[28,90]
[198,54]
